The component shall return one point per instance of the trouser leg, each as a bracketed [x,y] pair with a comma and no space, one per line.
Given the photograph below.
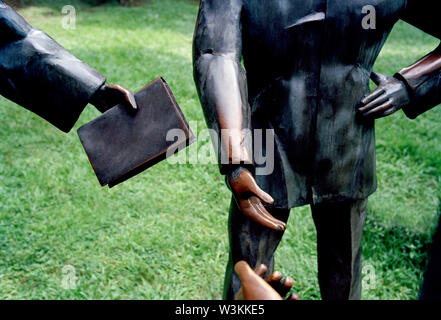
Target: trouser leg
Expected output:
[431,288]
[251,242]
[339,229]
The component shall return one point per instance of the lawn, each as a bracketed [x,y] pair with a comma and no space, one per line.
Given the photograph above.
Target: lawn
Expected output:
[163,234]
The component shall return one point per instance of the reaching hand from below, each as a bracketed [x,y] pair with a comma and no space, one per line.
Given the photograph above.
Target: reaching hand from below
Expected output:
[254,287]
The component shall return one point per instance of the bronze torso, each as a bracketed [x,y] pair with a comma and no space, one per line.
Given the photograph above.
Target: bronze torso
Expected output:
[307,68]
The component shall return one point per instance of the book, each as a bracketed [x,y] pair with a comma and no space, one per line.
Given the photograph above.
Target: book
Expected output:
[121,143]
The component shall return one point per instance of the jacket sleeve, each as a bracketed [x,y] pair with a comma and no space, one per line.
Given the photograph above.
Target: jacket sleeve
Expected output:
[40,75]
[423,78]
[221,80]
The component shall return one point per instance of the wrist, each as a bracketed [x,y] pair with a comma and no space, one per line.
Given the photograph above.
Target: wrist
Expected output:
[231,170]
[239,158]
[234,174]
[98,97]
[399,77]
[405,98]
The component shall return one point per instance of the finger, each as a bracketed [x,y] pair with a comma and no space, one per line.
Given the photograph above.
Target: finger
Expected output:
[373,104]
[250,211]
[274,277]
[261,269]
[261,209]
[131,101]
[254,188]
[242,268]
[378,78]
[127,96]
[265,197]
[253,286]
[372,96]
[293,297]
[379,110]
[286,286]
[281,286]
[275,281]
[388,112]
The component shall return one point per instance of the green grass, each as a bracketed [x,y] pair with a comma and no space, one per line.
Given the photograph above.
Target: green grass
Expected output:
[163,235]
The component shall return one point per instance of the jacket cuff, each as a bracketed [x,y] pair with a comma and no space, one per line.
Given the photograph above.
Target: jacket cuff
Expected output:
[422,80]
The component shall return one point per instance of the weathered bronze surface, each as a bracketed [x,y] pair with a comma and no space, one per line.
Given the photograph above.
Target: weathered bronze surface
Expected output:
[308,65]
[121,144]
[40,75]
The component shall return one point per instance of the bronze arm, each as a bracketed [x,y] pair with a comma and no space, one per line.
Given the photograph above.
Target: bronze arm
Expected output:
[414,89]
[222,88]
[39,74]
[423,81]
[221,80]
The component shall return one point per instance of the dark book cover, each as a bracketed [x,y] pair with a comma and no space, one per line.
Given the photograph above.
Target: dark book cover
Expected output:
[120,144]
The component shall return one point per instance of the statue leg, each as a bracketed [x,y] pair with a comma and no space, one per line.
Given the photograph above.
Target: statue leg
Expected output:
[339,230]
[251,242]
[431,288]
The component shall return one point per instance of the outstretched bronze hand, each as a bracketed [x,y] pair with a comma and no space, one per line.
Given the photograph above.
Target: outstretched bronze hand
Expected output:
[109,96]
[390,96]
[249,197]
[254,287]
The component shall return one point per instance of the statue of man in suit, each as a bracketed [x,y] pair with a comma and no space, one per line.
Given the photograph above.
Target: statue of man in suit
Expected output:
[40,75]
[305,78]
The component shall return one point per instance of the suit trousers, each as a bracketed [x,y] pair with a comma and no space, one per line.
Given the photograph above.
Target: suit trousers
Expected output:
[339,230]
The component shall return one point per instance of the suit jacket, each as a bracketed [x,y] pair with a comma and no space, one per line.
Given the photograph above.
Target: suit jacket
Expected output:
[40,75]
[307,68]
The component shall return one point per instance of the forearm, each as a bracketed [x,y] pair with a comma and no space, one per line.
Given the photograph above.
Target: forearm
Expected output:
[221,84]
[423,81]
[40,75]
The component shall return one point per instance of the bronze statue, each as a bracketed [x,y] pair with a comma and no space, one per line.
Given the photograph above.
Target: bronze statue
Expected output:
[306,74]
[40,75]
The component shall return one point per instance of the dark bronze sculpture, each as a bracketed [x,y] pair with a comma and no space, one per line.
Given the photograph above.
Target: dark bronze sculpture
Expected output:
[40,75]
[308,65]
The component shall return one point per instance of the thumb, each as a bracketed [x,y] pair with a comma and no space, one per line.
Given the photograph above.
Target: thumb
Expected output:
[243,270]
[127,97]
[250,184]
[262,195]
[379,78]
